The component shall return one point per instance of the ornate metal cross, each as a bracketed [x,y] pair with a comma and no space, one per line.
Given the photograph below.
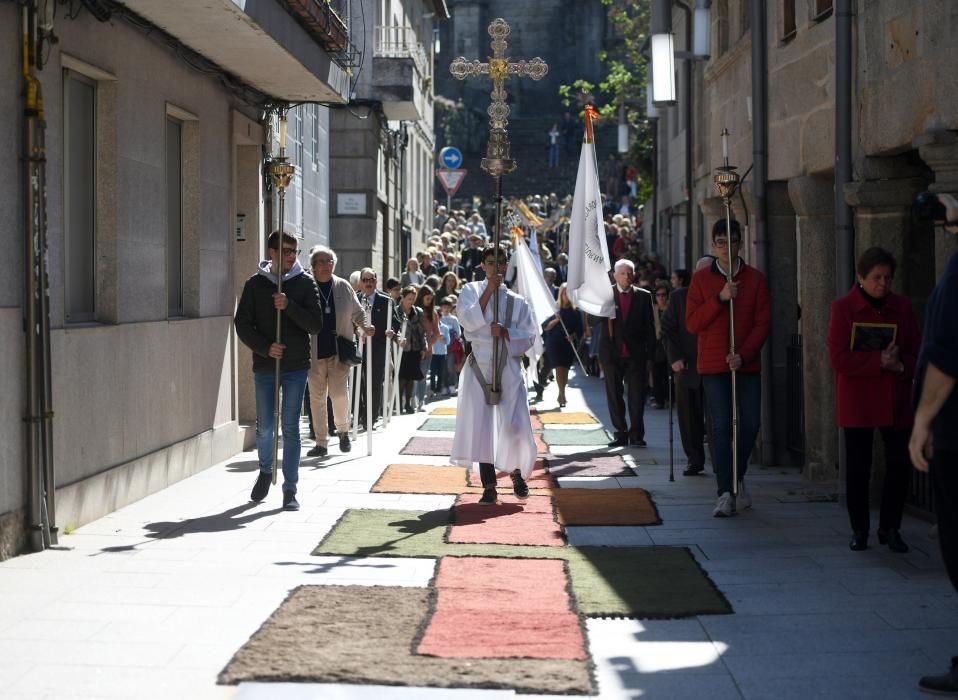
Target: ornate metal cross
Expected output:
[499,68]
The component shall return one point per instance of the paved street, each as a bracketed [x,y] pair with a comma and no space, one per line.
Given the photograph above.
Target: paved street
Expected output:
[154,600]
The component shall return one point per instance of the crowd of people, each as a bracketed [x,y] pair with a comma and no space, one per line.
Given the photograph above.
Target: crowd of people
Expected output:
[668,345]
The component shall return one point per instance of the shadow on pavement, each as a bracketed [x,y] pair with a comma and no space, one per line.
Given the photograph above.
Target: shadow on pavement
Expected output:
[250,465]
[232,519]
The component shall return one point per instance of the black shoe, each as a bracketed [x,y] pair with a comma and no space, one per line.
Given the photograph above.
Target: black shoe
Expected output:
[344,444]
[621,440]
[637,442]
[289,501]
[943,684]
[693,471]
[859,542]
[519,486]
[317,451]
[893,539]
[489,495]
[261,487]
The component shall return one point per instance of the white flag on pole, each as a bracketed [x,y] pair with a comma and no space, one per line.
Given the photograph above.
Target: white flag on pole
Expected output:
[534,250]
[589,262]
[531,285]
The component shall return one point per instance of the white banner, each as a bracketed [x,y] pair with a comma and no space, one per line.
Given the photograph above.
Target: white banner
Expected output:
[588,281]
[531,285]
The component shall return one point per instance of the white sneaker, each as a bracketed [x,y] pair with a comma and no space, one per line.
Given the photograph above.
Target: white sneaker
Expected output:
[724,506]
[743,500]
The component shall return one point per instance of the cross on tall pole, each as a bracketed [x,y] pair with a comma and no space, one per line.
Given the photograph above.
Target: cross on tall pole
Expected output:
[498,160]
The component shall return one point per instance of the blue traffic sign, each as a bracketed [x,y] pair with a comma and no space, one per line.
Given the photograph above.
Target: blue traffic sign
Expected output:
[450,157]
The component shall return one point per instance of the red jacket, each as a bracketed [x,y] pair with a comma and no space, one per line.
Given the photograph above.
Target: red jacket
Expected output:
[707,317]
[866,396]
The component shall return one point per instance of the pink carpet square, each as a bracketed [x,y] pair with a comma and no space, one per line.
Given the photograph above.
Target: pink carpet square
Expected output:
[512,520]
[532,594]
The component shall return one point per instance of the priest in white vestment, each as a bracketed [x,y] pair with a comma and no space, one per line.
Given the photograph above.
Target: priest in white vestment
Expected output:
[498,437]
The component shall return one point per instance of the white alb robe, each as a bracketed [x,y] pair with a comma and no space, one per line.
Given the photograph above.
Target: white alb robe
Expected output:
[501,434]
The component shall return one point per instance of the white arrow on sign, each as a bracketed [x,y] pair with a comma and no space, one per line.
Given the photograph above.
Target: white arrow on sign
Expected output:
[451,179]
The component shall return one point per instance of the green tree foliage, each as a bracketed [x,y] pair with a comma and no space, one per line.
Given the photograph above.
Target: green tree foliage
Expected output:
[457,125]
[623,84]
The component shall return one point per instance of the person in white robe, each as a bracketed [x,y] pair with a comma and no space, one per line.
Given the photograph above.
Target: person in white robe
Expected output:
[491,438]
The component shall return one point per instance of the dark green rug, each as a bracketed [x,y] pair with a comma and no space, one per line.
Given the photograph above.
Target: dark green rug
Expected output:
[366,634]
[646,582]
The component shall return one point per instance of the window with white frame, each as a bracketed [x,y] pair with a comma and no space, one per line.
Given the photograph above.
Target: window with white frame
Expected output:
[174,216]
[79,195]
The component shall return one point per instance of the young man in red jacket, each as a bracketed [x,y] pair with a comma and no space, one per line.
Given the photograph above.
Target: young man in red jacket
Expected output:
[707,316]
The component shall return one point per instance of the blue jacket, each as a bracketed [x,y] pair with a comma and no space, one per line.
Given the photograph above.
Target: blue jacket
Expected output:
[940,347]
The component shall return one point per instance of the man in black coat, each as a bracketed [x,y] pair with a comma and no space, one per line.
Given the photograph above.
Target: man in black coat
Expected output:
[471,260]
[626,349]
[370,295]
[256,326]
[681,347]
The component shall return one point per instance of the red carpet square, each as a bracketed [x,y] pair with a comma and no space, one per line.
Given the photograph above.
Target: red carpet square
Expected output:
[539,479]
[510,521]
[526,600]
[433,446]
[431,478]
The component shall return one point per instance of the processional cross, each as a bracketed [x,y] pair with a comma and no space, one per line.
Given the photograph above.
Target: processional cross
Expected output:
[498,160]
[499,69]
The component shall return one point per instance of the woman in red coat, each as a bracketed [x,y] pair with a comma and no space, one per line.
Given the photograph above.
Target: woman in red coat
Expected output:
[873,342]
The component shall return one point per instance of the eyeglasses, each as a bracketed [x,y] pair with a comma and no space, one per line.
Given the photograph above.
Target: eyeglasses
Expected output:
[290,251]
[723,242]
[367,279]
[323,261]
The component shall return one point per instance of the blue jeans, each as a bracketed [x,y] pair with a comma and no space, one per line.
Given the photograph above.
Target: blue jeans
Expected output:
[420,391]
[718,399]
[292,388]
[437,373]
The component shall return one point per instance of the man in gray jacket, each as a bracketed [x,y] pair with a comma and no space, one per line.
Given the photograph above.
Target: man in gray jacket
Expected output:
[256,326]
[328,374]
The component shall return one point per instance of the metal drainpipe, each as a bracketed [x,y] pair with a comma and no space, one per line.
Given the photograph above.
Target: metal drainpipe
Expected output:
[654,237]
[844,221]
[33,509]
[759,188]
[404,145]
[689,184]
[44,355]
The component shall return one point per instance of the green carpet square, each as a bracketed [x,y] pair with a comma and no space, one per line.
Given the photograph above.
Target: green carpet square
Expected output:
[641,582]
[575,436]
[439,424]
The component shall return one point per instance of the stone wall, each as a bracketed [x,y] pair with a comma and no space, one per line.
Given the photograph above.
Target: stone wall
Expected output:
[135,384]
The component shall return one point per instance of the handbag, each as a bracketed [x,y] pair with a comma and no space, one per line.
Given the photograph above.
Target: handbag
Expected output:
[456,348]
[347,352]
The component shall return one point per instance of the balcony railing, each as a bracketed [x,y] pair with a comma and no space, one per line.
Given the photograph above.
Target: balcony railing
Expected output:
[400,42]
[327,22]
